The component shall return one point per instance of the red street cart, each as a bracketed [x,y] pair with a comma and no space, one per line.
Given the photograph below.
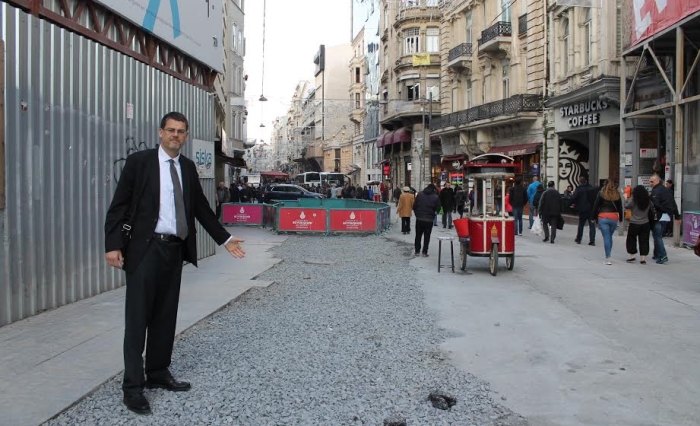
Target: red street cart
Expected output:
[491,229]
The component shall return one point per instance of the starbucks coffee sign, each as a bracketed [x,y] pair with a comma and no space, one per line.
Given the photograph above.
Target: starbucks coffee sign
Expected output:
[586,114]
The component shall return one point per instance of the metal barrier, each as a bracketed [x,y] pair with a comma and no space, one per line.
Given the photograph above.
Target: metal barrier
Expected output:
[251,214]
[332,216]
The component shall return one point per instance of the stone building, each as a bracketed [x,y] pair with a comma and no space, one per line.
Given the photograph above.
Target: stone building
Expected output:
[493,77]
[410,76]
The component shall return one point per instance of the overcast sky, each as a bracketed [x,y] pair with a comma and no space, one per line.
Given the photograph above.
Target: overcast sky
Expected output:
[294,31]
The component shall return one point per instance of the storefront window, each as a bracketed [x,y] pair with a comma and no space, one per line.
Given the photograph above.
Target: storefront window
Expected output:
[691,163]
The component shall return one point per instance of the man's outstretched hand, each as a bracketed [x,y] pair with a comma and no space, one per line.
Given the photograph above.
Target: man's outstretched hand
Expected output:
[234,247]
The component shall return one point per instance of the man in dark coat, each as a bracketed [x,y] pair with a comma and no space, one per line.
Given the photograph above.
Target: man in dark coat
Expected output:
[666,210]
[447,202]
[583,203]
[549,210]
[159,196]
[517,196]
[425,208]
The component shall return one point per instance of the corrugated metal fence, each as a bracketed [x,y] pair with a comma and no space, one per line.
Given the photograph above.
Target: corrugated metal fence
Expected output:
[67,136]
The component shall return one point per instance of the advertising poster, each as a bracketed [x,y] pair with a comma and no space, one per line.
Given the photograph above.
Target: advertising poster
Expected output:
[203,156]
[242,214]
[353,220]
[302,219]
[691,227]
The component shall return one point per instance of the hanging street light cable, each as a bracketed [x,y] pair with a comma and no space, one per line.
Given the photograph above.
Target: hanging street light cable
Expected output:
[262,85]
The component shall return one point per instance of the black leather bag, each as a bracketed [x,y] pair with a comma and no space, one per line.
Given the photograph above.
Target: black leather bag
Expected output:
[560,223]
[653,214]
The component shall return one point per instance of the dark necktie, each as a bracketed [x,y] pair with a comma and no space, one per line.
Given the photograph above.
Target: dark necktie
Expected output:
[180,217]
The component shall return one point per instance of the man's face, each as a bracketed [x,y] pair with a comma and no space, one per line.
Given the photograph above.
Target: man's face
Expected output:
[654,181]
[221,185]
[447,185]
[173,136]
[535,179]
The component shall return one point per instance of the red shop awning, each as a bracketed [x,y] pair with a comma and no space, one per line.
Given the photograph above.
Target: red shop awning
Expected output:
[516,150]
[401,135]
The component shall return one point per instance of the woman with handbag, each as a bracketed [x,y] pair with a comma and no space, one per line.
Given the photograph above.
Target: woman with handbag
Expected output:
[639,229]
[607,211]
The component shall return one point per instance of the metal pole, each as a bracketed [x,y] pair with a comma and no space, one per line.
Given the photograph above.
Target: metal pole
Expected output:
[422,165]
[679,141]
[430,148]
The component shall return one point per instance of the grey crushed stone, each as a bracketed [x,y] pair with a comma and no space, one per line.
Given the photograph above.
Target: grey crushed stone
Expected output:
[346,343]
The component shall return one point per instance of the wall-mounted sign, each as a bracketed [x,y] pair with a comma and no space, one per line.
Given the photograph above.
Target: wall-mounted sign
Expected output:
[648,153]
[586,114]
[203,156]
[583,113]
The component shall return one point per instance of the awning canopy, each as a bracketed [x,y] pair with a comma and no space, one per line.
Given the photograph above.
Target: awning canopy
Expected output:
[385,139]
[401,135]
[454,157]
[274,174]
[516,150]
[233,161]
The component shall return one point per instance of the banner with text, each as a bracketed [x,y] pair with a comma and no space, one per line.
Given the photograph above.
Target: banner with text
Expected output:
[652,16]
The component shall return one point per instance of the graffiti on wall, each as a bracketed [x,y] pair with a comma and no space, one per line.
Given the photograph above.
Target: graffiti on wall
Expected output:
[130,146]
[573,163]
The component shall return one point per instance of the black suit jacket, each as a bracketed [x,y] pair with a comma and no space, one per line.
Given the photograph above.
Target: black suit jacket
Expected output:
[139,188]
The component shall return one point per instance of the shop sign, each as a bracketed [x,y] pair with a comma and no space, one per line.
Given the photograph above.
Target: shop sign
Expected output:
[644,181]
[583,113]
[203,152]
[353,220]
[301,219]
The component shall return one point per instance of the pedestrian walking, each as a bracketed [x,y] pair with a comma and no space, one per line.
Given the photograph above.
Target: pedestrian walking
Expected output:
[157,199]
[517,198]
[665,207]
[447,202]
[536,200]
[549,210]
[639,225]
[425,207]
[582,201]
[531,191]
[397,195]
[222,196]
[607,211]
[460,200]
[404,209]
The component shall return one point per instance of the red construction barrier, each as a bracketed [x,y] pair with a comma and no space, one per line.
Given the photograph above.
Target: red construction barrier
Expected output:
[353,220]
[242,214]
[302,219]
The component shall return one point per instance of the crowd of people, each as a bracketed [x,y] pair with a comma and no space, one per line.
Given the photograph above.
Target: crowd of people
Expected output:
[598,208]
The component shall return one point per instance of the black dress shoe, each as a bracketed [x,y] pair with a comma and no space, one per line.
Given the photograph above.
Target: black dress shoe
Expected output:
[169,384]
[137,403]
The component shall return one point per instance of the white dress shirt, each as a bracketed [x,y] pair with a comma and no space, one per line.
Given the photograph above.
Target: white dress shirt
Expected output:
[166,213]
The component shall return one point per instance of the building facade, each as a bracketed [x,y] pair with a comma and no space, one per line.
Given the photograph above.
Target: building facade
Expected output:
[659,103]
[409,90]
[583,102]
[364,156]
[493,77]
[233,146]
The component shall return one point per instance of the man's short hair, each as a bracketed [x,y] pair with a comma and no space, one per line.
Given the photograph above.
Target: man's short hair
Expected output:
[550,184]
[177,116]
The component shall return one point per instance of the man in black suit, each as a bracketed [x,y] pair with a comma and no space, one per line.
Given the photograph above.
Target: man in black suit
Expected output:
[159,196]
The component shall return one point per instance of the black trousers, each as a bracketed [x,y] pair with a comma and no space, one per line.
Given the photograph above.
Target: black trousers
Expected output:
[406,224]
[423,230]
[583,219]
[549,225]
[638,232]
[152,295]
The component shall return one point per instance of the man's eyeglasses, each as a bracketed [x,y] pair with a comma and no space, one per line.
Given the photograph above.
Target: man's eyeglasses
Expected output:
[180,132]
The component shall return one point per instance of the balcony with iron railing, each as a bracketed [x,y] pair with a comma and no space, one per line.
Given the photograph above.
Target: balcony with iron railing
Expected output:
[522,25]
[460,57]
[407,61]
[418,9]
[494,37]
[508,107]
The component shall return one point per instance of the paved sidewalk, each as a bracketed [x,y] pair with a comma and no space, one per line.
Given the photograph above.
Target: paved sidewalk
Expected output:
[51,360]
[569,341]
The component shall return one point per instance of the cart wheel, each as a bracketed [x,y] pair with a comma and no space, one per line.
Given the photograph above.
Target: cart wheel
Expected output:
[463,256]
[493,260]
[510,262]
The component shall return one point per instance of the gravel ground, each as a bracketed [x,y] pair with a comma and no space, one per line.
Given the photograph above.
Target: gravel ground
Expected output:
[330,343]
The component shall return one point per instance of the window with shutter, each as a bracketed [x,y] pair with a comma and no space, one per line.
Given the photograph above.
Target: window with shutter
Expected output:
[618,29]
